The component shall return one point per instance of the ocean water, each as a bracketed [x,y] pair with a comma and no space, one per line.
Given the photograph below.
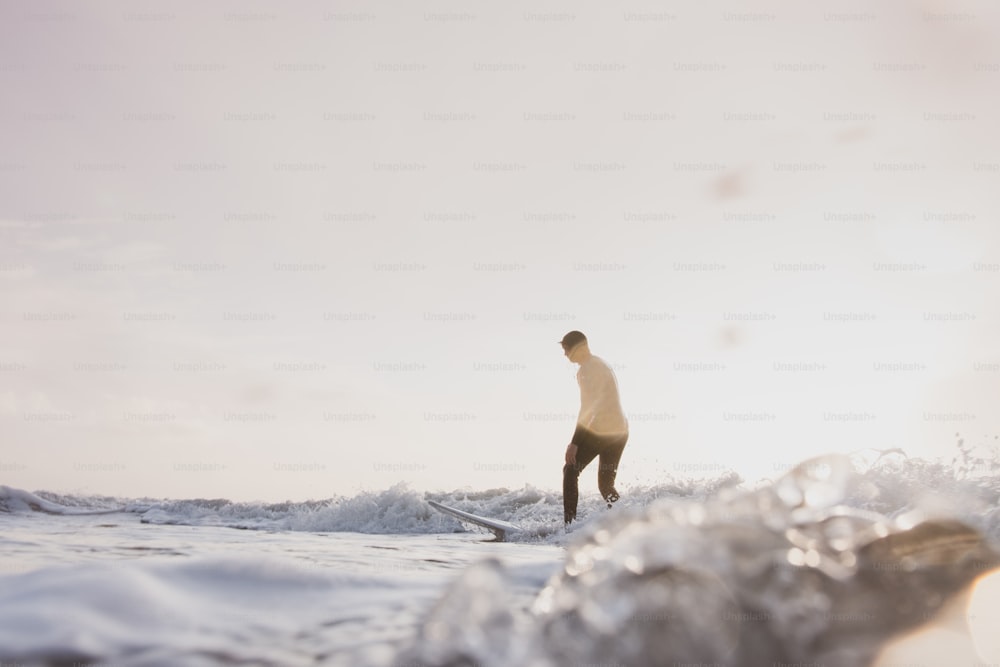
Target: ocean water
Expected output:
[872,559]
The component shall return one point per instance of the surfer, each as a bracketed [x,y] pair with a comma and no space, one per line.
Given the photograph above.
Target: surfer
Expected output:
[601,429]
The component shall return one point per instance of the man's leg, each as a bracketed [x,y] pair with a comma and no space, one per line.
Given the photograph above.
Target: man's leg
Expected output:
[607,468]
[585,453]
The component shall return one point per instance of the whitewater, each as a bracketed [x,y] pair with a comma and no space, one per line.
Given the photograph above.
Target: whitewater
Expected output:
[868,559]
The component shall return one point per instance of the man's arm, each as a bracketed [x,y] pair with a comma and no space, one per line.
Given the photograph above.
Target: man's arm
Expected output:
[572,447]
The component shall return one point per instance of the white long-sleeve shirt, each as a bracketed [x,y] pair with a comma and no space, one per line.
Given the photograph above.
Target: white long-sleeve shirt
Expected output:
[600,405]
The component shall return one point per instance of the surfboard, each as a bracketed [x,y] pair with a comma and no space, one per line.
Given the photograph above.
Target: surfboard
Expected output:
[495,526]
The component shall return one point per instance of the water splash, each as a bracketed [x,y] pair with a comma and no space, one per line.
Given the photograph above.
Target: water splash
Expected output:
[792,572]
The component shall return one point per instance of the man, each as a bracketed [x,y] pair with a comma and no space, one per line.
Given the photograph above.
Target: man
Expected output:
[601,429]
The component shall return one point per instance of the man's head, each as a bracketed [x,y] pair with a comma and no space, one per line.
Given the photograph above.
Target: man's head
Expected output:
[575,346]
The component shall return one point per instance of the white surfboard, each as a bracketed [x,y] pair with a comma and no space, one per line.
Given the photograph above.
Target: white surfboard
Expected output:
[499,528]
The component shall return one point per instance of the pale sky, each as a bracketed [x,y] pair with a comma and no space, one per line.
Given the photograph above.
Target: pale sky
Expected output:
[265,251]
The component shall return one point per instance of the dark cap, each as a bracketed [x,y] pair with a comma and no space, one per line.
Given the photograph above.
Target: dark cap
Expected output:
[572,339]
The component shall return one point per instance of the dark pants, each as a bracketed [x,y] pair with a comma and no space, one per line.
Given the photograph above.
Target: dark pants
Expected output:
[609,449]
